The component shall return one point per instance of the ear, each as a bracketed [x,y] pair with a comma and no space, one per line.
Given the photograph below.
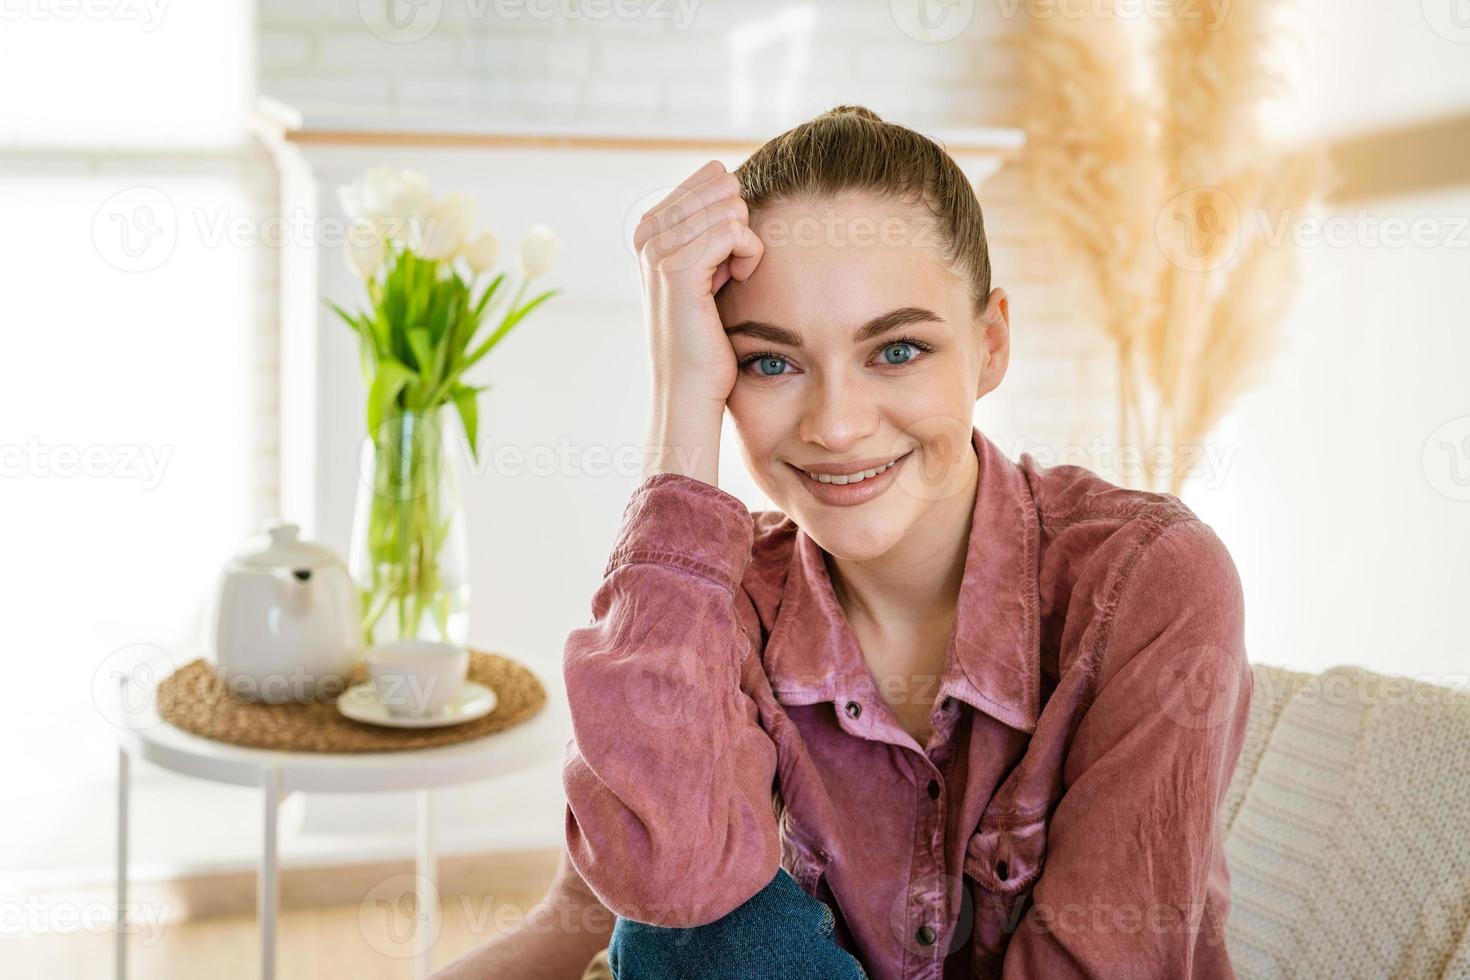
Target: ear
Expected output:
[994,326]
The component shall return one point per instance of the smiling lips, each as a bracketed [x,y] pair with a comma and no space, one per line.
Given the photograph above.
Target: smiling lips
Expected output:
[827,474]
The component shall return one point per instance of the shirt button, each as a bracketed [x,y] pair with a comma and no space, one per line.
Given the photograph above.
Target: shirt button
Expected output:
[854,709]
[925,935]
[933,789]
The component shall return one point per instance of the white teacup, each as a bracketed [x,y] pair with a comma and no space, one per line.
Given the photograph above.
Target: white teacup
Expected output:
[417,677]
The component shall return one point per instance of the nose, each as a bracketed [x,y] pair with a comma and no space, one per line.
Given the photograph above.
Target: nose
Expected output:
[838,414]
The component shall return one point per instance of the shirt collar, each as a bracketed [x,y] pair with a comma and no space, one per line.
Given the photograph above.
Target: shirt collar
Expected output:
[993,662]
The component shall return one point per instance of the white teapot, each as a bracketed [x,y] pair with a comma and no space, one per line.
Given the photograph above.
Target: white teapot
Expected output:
[286,622]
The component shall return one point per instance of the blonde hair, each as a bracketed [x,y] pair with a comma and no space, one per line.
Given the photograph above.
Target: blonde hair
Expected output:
[848,148]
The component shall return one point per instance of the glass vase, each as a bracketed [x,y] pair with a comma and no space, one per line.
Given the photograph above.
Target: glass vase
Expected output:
[408,555]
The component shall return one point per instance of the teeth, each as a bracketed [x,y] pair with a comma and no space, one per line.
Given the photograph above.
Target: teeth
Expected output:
[850,478]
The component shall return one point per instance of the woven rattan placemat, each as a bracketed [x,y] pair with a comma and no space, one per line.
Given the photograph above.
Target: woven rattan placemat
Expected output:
[195,699]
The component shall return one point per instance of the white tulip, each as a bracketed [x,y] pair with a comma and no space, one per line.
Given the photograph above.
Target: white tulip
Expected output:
[538,250]
[383,192]
[392,199]
[481,251]
[440,230]
[364,258]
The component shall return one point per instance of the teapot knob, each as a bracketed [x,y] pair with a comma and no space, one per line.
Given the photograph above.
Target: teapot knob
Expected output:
[283,532]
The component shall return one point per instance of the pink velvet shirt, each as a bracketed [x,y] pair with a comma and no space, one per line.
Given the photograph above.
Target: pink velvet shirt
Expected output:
[1061,820]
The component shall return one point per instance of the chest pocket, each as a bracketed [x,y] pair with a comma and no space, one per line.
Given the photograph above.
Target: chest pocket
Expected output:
[1003,859]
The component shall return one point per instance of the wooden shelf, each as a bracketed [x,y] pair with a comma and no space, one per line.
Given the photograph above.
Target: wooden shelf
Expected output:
[502,132]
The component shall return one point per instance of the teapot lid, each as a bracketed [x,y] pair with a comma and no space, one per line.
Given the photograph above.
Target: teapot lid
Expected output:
[279,545]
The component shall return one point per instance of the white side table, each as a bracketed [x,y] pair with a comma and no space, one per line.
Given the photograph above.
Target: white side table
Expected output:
[533,742]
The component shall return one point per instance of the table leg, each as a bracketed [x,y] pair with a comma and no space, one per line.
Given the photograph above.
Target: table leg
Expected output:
[266,902]
[120,947]
[426,898]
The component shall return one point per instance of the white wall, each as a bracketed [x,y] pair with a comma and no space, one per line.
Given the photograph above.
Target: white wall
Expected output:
[136,394]
[1347,502]
[720,61]
[1355,65]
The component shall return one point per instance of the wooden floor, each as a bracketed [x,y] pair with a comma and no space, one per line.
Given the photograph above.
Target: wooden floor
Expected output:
[358,941]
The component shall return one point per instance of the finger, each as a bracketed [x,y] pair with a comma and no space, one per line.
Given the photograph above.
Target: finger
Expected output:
[722,276]
[697,225]
[692,204]
[705,254]
[746,253]
[684,202]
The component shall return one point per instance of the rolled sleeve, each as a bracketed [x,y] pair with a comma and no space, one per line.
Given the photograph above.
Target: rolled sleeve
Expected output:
[1135,882]
[677,520]
[668,775]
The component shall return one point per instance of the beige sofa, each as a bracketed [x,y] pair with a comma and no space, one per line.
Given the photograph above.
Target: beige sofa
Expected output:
[1347,832]
[1347,828]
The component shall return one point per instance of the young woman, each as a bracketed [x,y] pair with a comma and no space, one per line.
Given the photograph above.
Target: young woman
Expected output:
[940,714]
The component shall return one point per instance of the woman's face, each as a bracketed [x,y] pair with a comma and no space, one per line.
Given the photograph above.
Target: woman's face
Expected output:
[858,345]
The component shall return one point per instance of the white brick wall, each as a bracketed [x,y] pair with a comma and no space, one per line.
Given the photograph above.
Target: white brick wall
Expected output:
[508,55]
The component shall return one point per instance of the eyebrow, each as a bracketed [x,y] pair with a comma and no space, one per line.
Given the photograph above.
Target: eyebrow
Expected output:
[875,327]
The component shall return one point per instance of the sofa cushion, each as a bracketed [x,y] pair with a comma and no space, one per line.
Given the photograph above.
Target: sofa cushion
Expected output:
[1347,828]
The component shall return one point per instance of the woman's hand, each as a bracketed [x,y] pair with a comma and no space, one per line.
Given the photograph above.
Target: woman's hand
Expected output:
[689,245]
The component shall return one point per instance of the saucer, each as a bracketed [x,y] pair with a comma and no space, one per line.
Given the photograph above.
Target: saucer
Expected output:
[360,703]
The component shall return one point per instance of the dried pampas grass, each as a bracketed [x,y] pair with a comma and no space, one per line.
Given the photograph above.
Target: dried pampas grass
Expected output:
[1157,190]
[1090,158]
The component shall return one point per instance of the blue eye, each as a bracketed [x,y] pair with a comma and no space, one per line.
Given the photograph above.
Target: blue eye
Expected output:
[772,365]
[899,346]
[765,361]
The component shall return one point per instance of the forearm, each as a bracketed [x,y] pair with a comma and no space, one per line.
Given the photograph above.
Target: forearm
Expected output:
[554,941]
[683,435]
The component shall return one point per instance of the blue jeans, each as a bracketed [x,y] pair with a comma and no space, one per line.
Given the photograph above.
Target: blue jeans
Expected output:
[780,933]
